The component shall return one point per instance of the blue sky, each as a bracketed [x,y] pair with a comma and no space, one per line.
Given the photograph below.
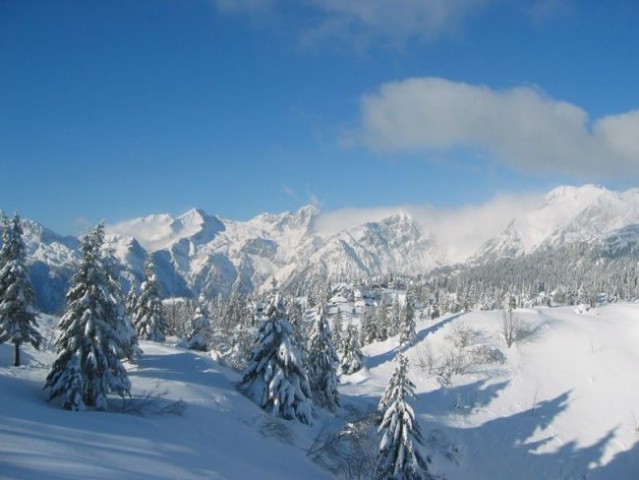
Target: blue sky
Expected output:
[113,110]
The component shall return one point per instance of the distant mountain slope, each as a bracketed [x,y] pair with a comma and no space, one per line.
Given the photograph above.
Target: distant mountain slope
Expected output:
[196,253]
[567,215]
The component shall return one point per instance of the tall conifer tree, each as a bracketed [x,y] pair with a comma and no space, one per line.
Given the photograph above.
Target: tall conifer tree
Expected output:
[88,366]
[17,317]
[275,377]
[398,458]
[148,317]
[323,362]
[352,358]
[408,333]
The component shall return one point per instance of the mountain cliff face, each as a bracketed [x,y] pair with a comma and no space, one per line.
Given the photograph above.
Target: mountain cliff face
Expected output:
[197,253]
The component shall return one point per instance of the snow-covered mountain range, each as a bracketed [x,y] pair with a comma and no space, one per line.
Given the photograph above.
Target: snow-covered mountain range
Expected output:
[199,253]
[590,214]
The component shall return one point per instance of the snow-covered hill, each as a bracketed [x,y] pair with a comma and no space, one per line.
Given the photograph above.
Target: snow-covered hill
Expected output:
[561,404]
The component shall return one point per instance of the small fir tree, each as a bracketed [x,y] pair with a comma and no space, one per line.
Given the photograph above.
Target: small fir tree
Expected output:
[408,334]
[352,357]
[73,381]
[88,367]
[275,377]
[394,320]
[295,315]
[398,459]
[338,326]
[131,299]
[200,334]
[369,328]
[233,313]
[382,321]
[241,341]
[323,360]
[17,317]
[148,317]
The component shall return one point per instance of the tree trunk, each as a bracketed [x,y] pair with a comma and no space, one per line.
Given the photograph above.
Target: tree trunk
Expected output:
[16,354]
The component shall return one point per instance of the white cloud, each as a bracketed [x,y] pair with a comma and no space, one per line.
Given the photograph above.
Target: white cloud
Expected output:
[521,127]
[399,19]
[458,231]
[342,219]
[363,21]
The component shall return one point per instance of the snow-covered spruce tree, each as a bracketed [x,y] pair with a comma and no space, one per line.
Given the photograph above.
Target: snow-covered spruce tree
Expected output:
[400,369]
[322,364]
[296,318]
[369,328]
[394,319]
[398,459]
[241,340]
[408,334]
[382,320]
[337,329]
[200,333]
[131,299]
[233,313]
[125,333]
[87,367]
[148,317]
[275,377]
[17,318]
[352,358]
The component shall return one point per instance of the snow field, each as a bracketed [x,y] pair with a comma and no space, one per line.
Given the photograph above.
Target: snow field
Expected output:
[562,404]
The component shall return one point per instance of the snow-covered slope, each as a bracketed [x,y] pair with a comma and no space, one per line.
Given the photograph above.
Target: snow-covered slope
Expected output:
[563,404]
[220,435]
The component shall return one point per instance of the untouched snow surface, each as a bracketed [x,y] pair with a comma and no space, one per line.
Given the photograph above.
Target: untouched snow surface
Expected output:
[561,404]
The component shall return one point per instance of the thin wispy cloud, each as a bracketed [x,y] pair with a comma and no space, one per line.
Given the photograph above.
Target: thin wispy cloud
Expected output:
[289,192]
[313,199]
[363,22]
[308,196]
[521,128]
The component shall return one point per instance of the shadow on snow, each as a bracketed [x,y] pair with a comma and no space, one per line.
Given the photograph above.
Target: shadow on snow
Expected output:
[377,360]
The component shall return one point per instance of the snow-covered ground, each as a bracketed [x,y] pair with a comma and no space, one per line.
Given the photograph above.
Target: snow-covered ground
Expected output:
[561,404]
